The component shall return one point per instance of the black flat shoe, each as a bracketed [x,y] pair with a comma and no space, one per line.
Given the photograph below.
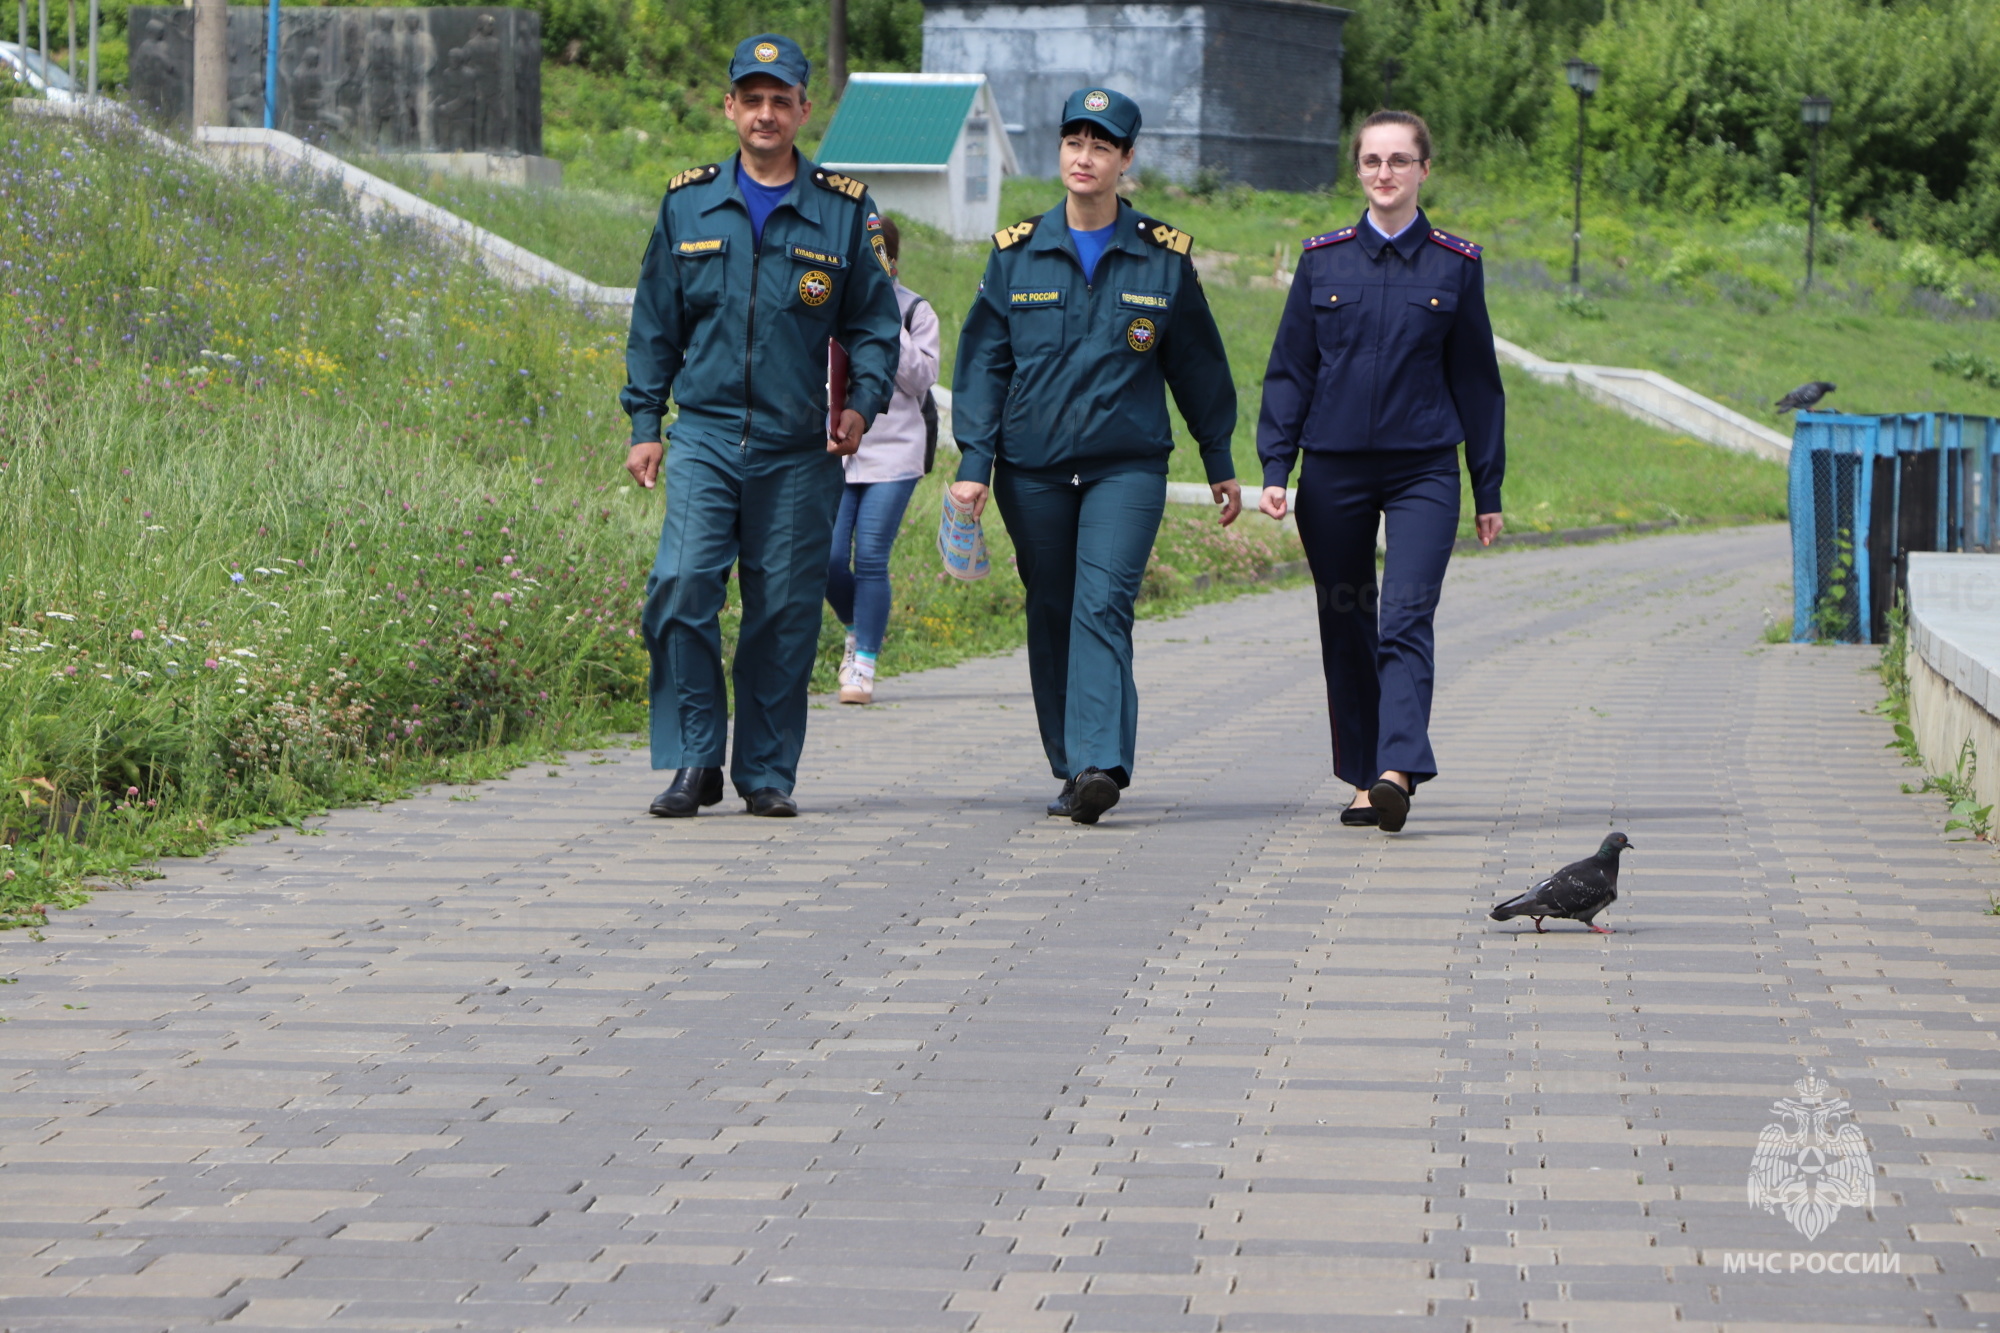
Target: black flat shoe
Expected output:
[1064,805]
[692,788]
[1095,791]
[1392,805]
[1360,816]
[770,803]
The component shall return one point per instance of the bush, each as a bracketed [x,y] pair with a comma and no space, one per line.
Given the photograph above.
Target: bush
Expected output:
[1474,71]
[1699,104]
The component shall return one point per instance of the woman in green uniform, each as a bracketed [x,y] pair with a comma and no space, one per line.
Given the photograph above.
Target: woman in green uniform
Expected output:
[1086,316]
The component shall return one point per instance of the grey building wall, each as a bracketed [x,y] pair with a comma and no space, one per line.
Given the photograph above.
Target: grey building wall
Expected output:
[1249,89]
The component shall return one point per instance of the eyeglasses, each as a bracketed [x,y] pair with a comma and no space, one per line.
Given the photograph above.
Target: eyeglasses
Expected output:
[1398,163]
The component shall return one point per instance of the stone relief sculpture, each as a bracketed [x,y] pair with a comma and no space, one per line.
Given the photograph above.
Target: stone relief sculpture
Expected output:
[384,80]
[417,66]
[161,74]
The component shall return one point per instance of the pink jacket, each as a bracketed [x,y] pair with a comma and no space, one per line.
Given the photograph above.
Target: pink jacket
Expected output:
[893,448]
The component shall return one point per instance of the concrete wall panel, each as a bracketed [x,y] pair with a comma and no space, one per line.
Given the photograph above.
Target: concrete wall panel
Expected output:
[1203,74]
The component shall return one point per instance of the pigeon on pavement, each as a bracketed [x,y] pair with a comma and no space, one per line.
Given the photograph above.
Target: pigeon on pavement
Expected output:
[1805,395]
[1577,892]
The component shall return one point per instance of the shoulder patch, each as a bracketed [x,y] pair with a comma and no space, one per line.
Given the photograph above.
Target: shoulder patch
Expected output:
[1008,237]
[694,176]
[839,184]
[1160,234]
[1455,244]
[1327,238]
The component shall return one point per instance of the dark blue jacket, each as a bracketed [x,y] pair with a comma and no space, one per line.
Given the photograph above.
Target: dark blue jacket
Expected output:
[1062,375]
[736,332]
[1386,345]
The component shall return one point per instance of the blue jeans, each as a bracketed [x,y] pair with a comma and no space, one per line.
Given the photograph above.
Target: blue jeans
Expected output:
[871,512]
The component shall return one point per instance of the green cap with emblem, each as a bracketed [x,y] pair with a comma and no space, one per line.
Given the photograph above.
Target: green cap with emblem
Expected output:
[1113,112]
[769,53]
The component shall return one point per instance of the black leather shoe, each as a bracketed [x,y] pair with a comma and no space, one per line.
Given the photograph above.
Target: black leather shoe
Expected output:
[1094,791]
[770,803]
[1064,805]
[692,789]
[1360,816]
[1392,805]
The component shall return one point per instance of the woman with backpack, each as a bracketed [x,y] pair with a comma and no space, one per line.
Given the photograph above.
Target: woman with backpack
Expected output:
[894,455]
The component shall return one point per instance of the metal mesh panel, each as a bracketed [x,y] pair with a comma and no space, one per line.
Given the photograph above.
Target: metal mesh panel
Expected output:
[1867,491]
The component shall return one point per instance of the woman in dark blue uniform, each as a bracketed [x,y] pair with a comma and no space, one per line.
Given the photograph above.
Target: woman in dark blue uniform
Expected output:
[1383,363]
[1087,315]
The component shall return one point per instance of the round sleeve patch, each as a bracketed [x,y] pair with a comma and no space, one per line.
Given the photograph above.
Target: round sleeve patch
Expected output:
[1141,334]
[815,287]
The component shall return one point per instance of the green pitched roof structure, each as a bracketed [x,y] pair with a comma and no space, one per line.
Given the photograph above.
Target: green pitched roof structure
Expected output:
[891,120]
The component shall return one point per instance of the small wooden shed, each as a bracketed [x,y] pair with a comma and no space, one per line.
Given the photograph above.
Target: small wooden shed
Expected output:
[930,146]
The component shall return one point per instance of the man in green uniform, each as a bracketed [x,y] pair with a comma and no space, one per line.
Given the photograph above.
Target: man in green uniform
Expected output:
[754,265]
[1087,315]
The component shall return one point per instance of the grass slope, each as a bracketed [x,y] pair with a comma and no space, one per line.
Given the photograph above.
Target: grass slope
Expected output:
[300,510]
[1571,462]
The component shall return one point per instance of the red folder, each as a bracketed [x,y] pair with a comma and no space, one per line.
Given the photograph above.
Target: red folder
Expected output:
[836,385]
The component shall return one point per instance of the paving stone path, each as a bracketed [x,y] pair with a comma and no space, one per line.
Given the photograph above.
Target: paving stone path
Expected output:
[520,1057]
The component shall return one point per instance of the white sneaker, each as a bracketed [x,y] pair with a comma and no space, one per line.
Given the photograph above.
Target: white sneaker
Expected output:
[859,687]
[847,663]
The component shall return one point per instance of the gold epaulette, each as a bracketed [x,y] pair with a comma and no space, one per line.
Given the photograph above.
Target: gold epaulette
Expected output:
[694,176]
[1008,237]
[1160,234]
[839,184]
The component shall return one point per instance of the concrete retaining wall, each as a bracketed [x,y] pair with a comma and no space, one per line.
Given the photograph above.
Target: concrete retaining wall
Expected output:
[1651,397]
[1954,664]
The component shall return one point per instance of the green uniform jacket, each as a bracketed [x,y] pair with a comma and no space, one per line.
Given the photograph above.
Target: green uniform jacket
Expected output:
[1056,374]
[737,333]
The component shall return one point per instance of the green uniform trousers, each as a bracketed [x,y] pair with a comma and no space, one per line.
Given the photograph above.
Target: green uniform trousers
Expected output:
[769,513]
[1081,544]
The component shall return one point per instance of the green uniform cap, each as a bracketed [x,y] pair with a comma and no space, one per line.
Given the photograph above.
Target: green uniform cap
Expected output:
[1113,112]
[769,53]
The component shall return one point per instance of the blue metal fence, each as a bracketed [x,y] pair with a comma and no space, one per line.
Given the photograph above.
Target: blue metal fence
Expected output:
[1867,491]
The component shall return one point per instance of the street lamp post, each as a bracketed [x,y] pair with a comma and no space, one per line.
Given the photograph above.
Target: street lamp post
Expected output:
[1582,77]
[1390,69]
[1815,112]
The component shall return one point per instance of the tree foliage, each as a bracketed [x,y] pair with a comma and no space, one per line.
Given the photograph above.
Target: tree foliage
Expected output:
[1699,106]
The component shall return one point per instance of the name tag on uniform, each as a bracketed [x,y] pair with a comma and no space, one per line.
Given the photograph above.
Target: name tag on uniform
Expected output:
[713,245]
[807,255]
[1144,300]
[1029,297]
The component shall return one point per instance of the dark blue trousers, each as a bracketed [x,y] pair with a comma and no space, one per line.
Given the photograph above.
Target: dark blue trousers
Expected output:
[1376,641]
[769,514]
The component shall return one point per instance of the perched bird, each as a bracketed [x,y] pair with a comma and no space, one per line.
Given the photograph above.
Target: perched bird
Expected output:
[1805,395]
[1577,892]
